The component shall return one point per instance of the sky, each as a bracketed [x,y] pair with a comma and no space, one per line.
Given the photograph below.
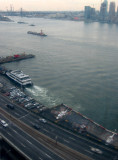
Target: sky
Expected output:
[51,5]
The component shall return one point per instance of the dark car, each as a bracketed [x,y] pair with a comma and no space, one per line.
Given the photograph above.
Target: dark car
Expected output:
[11,106]
[36,126]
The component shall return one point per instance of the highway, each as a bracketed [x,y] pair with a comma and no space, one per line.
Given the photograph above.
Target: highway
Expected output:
[26,143]
[69,139]
[79,144]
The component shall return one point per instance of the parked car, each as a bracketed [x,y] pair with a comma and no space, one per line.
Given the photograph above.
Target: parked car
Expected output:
[28,105]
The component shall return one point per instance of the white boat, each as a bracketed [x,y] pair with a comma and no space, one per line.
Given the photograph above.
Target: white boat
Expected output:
[19,77]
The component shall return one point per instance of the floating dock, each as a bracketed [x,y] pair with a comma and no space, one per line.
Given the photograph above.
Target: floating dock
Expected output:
[16,57]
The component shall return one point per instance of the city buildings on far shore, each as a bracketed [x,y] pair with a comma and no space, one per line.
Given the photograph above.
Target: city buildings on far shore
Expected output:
[107,13]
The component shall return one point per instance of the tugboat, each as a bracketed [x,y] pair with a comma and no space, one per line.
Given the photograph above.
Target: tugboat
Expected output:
[36,33]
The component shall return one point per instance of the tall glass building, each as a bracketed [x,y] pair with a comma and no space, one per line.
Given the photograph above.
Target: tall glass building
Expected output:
[112,11]
[103,10]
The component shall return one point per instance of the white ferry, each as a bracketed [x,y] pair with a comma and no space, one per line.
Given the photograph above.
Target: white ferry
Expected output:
[19,77]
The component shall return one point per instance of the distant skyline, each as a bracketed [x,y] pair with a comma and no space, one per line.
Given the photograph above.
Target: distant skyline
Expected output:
[51,5]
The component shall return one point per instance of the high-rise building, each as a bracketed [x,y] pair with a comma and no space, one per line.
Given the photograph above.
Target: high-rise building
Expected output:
[117,12]
[103,10]
[106,8]
[117,16]
[93,13]
[112,11]
[89,12]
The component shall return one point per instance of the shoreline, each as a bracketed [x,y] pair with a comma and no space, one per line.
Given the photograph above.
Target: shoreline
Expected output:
[67,118]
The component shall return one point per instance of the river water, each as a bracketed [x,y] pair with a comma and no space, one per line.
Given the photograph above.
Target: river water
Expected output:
[76,64]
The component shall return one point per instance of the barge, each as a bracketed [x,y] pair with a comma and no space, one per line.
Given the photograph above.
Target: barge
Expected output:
[16,57]
[37,34]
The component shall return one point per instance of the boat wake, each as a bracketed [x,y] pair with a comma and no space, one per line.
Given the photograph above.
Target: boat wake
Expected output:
[42,95]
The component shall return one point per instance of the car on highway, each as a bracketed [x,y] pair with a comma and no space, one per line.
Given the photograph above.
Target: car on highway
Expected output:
[11,106]
[42,120]
[36,126]
[3,123]
[96,150]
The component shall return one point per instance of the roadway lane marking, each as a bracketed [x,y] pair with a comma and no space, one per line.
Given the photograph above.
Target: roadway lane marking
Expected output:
[22,144]
[66,141]
[16,113]
[40,158]
[72,138]
[2,100]
[48,155]
[29,142]
[31,123]
[15,131]
[24,116]
[89,151]
[9,134]
[45,130]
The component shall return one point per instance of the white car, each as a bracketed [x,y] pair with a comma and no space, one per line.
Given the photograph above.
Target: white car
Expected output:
[4,124]
[96,150]
[42,120]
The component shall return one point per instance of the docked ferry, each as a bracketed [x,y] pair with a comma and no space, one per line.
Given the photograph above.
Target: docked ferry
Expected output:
[19,77]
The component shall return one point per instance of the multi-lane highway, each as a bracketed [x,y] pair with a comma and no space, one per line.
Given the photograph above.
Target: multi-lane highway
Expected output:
[60,135]
[27,144]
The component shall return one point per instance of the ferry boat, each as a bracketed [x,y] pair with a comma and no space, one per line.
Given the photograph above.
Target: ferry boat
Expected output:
[19,77]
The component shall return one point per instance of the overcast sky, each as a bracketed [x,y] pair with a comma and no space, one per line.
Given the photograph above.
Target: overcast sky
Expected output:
[51,5]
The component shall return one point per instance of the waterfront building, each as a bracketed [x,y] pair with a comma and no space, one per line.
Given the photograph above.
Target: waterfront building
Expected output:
[103,10]
[89,13]
[112,12]
[106,2]
[93,13]
[117,12]
[117,16]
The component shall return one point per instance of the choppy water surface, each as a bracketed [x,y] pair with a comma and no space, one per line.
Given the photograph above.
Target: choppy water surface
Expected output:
[76,64]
